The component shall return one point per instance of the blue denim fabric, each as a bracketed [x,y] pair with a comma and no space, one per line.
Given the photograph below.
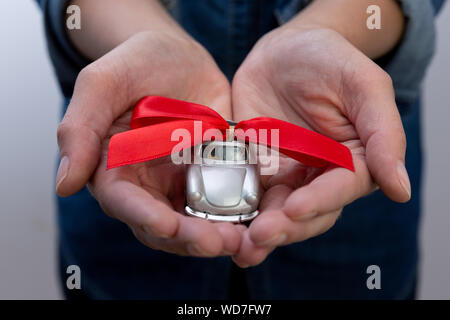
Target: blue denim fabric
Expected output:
[372,230]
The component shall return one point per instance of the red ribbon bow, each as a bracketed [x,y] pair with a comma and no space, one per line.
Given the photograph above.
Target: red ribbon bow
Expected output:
[155,118]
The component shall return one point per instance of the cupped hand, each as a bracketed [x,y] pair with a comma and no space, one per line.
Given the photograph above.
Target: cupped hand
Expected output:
[148,196]
[316,79]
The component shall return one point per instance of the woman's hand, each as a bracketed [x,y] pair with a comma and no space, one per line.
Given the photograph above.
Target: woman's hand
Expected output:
[315,78]
[148,196]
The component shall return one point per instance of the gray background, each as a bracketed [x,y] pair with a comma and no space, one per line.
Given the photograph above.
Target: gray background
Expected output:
[30,109]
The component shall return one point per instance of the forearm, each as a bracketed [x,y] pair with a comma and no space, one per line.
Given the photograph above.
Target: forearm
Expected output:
[349,17]
[108,23]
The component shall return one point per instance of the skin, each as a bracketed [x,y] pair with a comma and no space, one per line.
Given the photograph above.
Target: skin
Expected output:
[147,197]
[314,71]
[309,72]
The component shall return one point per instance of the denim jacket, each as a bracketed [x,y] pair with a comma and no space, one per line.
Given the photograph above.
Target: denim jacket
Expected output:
[239,23]
[372,230]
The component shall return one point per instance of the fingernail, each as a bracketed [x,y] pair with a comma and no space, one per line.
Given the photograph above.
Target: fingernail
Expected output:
[274,241]
[62,171]
[194,250]
[149,230]
[403,177]
[226,253]
[305,216]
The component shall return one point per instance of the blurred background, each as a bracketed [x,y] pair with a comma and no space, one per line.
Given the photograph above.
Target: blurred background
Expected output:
[29,107]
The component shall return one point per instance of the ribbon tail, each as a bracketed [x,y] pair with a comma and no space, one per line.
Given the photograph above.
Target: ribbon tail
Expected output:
[301,144]
[156,141]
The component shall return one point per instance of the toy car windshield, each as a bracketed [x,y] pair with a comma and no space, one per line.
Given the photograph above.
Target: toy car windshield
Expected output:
[225,152]
[224,185]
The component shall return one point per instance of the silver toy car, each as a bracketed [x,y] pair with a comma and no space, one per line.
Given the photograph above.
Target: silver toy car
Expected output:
[224,186]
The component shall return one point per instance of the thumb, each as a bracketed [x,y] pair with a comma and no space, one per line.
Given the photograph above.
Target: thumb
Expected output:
[84,126]
[378,123]
[79,153]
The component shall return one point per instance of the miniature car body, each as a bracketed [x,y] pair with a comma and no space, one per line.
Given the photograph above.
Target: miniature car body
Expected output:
[224,186]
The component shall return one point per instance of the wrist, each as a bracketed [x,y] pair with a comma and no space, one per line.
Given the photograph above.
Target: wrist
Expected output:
[108,23]
[349,19]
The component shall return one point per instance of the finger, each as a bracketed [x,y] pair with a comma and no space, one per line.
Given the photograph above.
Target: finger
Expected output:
[287,231]
[273,199]
[231,236]
[195,237]
[378,123]
[330,191]
[249,254]
[221,102]
[290,173]
[96,102]
[127,202]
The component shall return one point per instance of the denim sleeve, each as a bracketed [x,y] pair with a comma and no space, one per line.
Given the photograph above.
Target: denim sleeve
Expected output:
[67,61]
[408,63]
[437,5]
[415,49]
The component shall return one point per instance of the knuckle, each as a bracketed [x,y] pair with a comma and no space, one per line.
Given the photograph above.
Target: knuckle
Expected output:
[144,239]
[378,78]
[100,75]
[384,77]
[91,73]
[62,132]
[103,204]
[70,129]
[139,236]
[333,219]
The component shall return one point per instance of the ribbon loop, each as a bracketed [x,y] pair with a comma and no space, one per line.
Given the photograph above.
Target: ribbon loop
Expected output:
[153,109]
[156,119]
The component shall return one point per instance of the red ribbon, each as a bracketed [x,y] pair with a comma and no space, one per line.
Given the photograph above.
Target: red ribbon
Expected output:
[155,118]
